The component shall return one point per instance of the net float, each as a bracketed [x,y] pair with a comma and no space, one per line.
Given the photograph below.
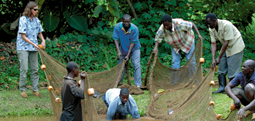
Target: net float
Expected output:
[79,82]
[211,103]
[215,68]
[232,107]
[40,46]
[57,92]
[219,116]
[43,67]
[201,60]
[91,91]
[212,83]
[58,100]
[50,88]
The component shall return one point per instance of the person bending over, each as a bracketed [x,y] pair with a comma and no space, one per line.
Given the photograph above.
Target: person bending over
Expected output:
[231,53]
[179,35]
[120,103]
[126,40]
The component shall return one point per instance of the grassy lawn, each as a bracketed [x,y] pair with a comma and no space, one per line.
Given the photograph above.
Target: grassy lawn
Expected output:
[142,102]
[12,104]
[222,103]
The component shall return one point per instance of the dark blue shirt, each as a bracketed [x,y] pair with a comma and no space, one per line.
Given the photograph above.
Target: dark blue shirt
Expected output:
[126,38]
[241,79]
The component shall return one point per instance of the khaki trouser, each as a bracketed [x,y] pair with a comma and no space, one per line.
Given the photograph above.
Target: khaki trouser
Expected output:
[31,57]
[230,65]
[240,91]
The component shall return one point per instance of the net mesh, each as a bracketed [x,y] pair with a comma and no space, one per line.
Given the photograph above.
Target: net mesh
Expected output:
[181,94]
[100,81]
[176,94]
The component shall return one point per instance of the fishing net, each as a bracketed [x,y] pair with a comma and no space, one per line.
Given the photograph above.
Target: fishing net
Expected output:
[181,94]
[176,94]
[100,81]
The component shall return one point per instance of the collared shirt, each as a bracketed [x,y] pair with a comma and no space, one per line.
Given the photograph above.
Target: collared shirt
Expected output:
[241,79]
[71,96]
[126,37]
[115,105]
[181,37]
[227,31]
[31,29]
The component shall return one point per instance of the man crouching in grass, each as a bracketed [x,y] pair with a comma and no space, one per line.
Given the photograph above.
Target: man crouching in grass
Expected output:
[245,94]
[71,94]
[120,103]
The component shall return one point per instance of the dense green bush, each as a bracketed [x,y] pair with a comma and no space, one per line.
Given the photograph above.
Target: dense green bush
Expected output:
[94,49]
[249,37]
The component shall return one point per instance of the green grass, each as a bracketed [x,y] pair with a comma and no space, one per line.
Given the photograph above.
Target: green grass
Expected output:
[142,102]
[12,104]
[222,103]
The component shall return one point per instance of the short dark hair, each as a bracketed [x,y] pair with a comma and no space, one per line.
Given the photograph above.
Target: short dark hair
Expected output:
[70,66]
[124,91]
[212,16]
[166,18]
[126,16]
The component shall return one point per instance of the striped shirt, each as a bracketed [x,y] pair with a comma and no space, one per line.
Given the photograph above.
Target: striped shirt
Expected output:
[181,37]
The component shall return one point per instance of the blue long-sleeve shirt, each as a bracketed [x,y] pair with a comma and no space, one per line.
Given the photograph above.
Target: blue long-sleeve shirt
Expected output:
[115,105]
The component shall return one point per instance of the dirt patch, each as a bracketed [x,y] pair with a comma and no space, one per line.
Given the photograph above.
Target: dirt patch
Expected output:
[132,89]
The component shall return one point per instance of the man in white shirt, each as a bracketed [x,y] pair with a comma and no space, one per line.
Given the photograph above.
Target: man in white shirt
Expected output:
[120,103]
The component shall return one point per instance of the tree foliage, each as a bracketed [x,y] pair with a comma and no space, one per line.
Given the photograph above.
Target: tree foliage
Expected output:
[59,16]
[50,20]
[87,25]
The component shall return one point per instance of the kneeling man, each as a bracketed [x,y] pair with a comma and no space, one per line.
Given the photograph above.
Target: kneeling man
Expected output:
[120,103]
